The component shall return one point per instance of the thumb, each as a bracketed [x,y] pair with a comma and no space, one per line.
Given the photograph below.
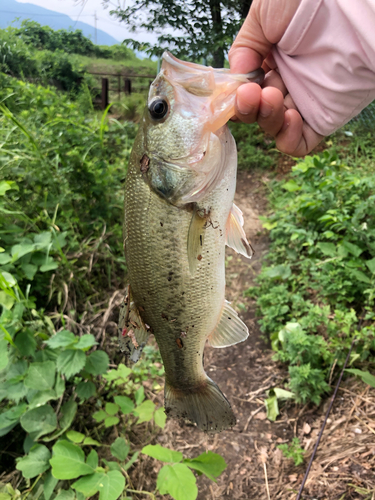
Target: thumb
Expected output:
[263,27]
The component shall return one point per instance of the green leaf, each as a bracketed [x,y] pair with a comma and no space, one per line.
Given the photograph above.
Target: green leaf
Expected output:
[360,276]
[36,462]
[99,416]
[125,403]
[111,408]
[92,459]
[20,250]
[85,390]
[209,463]
[110,485]
[39,421]
[70,362]
[366,377]
[97,363]
[68,461]
[86,341]
[291,186]
[145,411]
[65,495]
[130,462]
[120,449]
[49,485]
[25,342]
[279,272]
[283,394]
[49,267]
[327,248]
[272,406]
[90,441]
[68,411]
[3,354]
[62,339]
[160,417]
[6,185]
[41,376]
[139,395]
[42,397]
[12,416]
[76,437]
[353,249]
[371,265]
[6,300]
[109,421]
[43,240]
[178,481]
[10,281]
[29,270]
[160,453]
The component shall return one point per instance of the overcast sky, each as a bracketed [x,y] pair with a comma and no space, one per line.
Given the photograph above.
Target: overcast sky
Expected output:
[86,13]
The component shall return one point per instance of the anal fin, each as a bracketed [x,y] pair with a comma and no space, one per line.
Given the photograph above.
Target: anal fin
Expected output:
[230,329]
[235,236]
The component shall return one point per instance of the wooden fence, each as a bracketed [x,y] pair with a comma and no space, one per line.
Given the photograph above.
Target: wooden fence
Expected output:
[120,83]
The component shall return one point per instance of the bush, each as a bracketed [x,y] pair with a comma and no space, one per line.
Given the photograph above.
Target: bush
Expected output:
[320,271]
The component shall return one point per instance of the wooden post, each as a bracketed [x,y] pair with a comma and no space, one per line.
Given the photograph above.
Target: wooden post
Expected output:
[128,86]
[104,93]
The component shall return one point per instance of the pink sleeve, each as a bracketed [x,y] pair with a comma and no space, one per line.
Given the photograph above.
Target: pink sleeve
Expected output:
[327,60]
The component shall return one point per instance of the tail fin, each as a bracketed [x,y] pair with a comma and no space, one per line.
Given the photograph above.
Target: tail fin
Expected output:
[204,405]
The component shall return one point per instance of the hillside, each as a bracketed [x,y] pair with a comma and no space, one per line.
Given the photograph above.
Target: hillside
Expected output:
[13,13]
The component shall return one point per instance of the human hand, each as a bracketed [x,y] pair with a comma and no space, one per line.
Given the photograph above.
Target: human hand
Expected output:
[271,106]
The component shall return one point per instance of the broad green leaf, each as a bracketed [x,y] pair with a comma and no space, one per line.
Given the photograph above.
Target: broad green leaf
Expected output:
[43,240]
[353,249]
[6,185]
[49,267]
[89,485]
[178,481]
[3,354]
[12,416]
[97,363]
[86,341]
[160,453]
[41,376]
[110,485]
[291,186]
[42,397]
[90,441]
[25,342]
[65,495]
[9,279]
[139,395]
[68,461]
[49,485]
[280,272]
[92,459]
[109,421]
[360,276]
[283,394]
[160,417]
[85,390]
[62,339]
[6,300]
[328,249]
[59,386]
[111,408]
[126,404]
[70,362]
[39,421]
[68,411]
[76,437]
[20,250]
[99,416]
[5,258]
[145,411]
[209,463]
[366,377]
[29,270]
[112,465]
[371,265]
[120,449]
[36,462]
[272,406]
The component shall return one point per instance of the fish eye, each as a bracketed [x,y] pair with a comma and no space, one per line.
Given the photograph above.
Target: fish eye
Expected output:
[158,108]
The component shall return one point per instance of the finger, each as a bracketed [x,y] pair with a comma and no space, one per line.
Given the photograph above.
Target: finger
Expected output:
[296,137]
[271,111]
[247,102]
[273,79]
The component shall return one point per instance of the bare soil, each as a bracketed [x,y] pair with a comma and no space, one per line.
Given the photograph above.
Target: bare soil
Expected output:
[344,467]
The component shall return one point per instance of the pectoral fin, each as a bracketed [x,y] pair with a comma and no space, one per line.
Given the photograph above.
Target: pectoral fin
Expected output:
[196,239]
[235,235]
[230,330]
[133,333]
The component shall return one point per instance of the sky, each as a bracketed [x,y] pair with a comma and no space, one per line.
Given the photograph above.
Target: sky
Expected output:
[85,11]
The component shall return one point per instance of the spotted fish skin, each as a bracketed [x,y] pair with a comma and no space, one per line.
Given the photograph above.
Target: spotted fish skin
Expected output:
[179,194]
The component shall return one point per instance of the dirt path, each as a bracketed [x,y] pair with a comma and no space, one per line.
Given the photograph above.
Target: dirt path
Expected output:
[345,465]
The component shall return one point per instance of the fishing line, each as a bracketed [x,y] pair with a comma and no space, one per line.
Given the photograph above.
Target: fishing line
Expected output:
[327,415]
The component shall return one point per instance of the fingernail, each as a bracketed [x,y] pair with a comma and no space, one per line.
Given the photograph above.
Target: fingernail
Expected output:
[244,108]
[265,109]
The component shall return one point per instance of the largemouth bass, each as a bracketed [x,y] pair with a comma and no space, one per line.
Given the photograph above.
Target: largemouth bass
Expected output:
[179,214]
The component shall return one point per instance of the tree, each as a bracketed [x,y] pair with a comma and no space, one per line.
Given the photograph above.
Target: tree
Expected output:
[192,29]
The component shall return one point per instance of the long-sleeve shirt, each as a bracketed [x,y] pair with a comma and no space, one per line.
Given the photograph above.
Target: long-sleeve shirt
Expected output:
[326,58]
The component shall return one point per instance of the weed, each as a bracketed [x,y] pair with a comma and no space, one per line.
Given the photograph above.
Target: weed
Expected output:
[293,451]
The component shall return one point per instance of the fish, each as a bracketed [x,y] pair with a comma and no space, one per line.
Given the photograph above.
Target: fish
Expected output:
[178,217]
